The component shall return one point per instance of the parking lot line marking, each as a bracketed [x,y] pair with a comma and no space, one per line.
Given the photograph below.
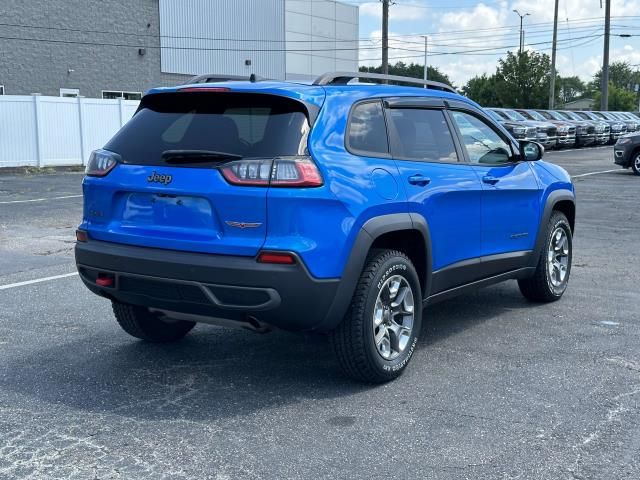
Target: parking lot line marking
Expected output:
[597,173]
[37,280]
[40,199]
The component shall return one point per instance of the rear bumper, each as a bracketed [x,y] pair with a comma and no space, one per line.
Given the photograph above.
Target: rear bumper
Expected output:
[221,286]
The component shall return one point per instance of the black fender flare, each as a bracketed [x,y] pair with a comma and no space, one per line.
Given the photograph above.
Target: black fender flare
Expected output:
[552,201]
[370,231]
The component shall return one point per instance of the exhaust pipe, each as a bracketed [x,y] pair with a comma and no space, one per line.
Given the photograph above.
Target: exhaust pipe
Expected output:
[250,323]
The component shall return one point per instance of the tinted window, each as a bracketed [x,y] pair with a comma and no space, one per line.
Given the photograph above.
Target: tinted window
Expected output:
[483,144]
[367,130]
[546,115]
[249,125]
[422,135]
[513,115]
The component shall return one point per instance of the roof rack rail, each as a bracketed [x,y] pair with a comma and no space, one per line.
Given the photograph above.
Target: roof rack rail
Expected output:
[343,78]
[218,77]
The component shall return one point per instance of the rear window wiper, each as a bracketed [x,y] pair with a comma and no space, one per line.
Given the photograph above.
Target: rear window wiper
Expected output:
[196,156]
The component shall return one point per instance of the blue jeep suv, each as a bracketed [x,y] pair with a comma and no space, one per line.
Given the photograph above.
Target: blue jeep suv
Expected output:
[338,207]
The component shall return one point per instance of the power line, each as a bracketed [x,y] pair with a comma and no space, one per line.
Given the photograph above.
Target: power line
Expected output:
[391,36]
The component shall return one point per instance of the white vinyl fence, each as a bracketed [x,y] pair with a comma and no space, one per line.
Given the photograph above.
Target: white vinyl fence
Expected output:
[50,131]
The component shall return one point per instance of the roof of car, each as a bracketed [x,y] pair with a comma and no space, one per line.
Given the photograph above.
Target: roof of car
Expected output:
[315,94]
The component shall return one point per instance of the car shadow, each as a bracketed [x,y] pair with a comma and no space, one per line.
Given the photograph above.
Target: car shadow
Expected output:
[442,320]
[214,372]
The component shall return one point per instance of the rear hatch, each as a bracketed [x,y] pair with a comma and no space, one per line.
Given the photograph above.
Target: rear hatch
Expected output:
[193,169]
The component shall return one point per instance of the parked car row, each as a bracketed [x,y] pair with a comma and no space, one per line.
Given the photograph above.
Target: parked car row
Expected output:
[564,128]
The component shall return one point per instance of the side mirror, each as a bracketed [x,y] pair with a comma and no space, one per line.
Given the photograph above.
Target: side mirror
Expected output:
[531,151]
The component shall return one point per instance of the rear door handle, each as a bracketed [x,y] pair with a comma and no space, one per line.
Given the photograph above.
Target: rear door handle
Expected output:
[490,179]
[419,180]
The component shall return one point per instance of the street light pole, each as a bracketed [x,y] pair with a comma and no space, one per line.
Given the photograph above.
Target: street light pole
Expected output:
[604,98]
[426,49]
[521,29]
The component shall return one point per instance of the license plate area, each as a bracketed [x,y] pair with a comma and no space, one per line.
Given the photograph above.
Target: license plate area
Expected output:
[163,211]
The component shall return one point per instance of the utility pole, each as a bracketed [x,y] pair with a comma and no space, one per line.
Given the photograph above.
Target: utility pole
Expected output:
[426,49]
[385,37]
[552,80]
[604,100]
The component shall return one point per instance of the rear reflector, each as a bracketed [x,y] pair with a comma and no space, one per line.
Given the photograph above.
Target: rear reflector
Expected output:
[279,258]
[82,236]
[105,280]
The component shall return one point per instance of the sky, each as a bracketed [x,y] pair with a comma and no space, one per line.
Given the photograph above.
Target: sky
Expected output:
[466,38]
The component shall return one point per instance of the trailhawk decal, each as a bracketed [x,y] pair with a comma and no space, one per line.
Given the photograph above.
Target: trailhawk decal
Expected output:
[243,224]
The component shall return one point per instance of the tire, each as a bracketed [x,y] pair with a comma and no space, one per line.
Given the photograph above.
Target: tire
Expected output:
[139,322]
[635,163]
[354,343]
[545,286]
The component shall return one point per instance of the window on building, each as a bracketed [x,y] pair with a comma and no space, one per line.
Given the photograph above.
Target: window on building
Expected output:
[70,92]
[113,94]
[1,89]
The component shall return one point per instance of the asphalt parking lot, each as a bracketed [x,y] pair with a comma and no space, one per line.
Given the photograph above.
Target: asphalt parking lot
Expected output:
[499,388]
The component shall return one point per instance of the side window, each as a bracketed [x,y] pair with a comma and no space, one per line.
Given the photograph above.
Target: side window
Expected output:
[422,134]
[482,142]
[367,131]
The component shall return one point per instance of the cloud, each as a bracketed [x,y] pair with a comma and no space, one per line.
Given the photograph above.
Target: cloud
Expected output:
[402,48]
[493,25]
[480,17]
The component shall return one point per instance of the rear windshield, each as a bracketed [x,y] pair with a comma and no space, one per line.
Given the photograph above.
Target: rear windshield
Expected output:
[246,125]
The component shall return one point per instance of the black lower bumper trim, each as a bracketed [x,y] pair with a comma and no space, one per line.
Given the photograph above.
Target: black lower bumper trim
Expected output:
[219,286]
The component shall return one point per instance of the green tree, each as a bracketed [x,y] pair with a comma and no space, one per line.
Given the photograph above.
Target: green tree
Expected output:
[483,90]
[413,70]
[523,80]
[621,75]
[570,89]
[620,99]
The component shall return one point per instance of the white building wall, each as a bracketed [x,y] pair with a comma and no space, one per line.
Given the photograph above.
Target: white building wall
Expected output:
[219,36]
[327,33]
[292,39]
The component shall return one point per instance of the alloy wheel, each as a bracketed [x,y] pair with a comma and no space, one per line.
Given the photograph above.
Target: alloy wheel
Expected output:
[393,317]
[558,257]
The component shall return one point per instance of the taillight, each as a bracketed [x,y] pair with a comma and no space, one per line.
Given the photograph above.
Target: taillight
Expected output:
[101,162]
[280,172]
[248,172]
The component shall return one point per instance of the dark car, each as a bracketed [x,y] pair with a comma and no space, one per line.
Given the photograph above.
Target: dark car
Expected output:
[518,130]
[626,152]
[618,127]
[633,123]
[603,129]
[585,130]
[566,130]
[546,133]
